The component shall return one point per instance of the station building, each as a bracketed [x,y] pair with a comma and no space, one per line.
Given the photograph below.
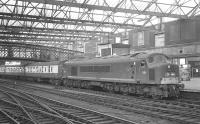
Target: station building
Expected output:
[178,39]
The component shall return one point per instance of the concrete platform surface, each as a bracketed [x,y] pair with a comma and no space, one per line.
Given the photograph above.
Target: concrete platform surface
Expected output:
[193,84]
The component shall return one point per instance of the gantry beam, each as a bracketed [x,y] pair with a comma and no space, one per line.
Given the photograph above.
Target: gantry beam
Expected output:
[32,18]
[79,34]
[35,39]
[65,22]
[105,8]
[30,52]
[43,43]
[51,30]
[12,33]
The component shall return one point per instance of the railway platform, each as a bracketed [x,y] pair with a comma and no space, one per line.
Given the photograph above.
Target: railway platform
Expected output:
[191,89]
[192,85]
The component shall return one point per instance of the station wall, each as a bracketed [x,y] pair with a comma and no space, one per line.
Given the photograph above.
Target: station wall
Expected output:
[184,31]
[181,31]
[137,41]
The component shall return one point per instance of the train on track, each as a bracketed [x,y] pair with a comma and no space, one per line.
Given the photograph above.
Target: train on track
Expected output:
[141,73]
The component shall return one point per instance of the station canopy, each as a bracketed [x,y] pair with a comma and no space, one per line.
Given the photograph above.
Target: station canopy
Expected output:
[61,23]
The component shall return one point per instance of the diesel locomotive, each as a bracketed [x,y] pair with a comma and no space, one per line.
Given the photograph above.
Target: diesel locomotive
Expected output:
[141,73]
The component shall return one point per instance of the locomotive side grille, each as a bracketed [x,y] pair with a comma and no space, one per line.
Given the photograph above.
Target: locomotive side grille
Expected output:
[86,69]
[151,74]
[95,69]
[101,68]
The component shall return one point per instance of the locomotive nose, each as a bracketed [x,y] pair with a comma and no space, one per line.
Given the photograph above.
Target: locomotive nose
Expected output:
[172,70]
[171,74]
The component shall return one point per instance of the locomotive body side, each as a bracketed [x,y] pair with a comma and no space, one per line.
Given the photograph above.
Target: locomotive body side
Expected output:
[143,74]
[115,69]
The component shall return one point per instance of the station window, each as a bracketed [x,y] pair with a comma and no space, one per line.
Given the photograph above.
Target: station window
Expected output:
[182,61]
[140,38]
[175,61]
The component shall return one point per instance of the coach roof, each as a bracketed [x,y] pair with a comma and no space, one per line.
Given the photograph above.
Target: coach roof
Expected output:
[113,59]
[46,63]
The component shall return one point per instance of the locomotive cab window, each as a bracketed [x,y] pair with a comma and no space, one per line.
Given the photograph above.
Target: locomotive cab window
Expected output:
[133,64]
[142,64]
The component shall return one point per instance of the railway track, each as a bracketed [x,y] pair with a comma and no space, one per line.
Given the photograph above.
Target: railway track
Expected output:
[28,110]
[172,110]
[53,111]
[6,118]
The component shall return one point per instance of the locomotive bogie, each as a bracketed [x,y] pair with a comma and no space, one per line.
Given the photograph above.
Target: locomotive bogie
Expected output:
[148,90]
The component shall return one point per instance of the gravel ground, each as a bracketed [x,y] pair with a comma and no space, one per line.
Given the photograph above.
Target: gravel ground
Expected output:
[142,119]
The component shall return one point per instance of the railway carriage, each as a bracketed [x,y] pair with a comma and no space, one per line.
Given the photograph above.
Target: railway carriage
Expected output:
[141,73]
[45,71]
[11,70]
[40,71]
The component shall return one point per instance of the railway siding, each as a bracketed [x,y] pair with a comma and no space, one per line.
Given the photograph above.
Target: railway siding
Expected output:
[182,112]
[74,113]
